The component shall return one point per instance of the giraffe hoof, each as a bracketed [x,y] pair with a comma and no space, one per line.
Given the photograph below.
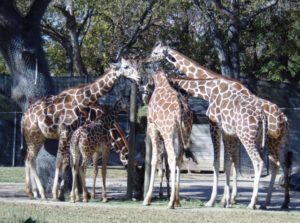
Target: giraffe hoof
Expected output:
[104,200]
[177,205]
[171,206]
[146,203]
[263,207]
[251,207]
[209,204]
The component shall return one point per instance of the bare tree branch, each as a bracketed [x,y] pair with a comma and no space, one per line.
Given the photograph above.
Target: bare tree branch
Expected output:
[53,33]
[141,27]
[222,8]
[269,4]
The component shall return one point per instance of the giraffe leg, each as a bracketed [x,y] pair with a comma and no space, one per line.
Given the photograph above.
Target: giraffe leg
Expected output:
[34,188]
[31,173]
[161,178]
[74,196]
[105,157]
[155,145]
[286,164]
[257,162]
[172,165]
[63,150]
[56,176]
[215,134]
[228,164]
[95,165]
[235,162]
[74,183]
[65,165]
[231,159]
[167,172]
[177,197]
[83,179]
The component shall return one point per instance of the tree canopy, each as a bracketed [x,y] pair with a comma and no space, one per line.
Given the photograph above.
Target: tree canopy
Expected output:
[240,38]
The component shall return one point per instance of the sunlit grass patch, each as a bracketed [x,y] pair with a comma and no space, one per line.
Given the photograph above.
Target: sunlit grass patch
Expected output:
[12,174]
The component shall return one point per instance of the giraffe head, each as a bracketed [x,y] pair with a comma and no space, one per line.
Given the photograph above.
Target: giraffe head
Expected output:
[158,53]
[127,69]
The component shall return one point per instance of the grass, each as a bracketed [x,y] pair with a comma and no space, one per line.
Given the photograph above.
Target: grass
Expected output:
[128,211]
[17,174]
[12,174]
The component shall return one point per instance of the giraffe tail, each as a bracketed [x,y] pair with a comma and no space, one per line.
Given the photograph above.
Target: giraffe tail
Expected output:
[264,129]
[23,150]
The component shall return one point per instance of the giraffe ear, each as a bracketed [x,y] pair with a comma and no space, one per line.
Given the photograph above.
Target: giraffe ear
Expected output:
[158,43]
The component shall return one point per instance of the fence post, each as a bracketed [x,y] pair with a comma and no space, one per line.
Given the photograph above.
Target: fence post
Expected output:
[132,122]
[14,140]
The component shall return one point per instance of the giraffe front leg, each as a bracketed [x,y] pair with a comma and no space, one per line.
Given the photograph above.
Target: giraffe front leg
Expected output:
[105,158]
[74,195]
[215,134]
[56,176]
[177,197]
[155,144]
[95,165]
[172,165]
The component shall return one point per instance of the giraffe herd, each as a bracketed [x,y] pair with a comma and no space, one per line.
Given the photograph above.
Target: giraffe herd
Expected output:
[86,130]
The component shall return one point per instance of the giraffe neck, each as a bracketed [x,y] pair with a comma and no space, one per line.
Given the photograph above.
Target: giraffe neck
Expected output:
[88,94]
[121,143]
[188,66]
[200,88]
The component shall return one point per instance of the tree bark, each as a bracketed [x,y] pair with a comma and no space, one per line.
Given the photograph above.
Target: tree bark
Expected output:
[21,47]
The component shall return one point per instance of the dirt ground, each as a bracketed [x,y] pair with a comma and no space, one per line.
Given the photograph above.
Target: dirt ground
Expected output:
[193,187]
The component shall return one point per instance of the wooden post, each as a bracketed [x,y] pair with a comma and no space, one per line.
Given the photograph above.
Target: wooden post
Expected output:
[14,140]
[148,158]
[132,122]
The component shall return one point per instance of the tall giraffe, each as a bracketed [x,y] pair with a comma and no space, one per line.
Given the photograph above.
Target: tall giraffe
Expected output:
[170,118]
[94,138]
[276,121]
[57,116]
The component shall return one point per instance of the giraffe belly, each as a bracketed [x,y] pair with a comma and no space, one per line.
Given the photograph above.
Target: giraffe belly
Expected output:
[228,129]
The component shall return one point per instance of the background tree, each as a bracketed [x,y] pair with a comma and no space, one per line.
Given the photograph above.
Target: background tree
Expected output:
[22,51]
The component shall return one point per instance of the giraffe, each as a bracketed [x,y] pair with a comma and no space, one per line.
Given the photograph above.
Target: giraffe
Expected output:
[170,118]
[238,116]
[57,116]
[90,140]
[277,122]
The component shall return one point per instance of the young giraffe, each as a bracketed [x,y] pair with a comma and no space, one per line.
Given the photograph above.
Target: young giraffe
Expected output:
[94,138]
[170,118]
[57,116]
[276,121]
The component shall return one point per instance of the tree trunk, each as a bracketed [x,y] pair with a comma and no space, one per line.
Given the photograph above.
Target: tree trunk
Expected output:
[21,47]
[23,53]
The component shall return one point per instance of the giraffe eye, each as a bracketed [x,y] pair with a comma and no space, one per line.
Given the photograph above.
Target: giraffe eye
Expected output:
[126,67]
